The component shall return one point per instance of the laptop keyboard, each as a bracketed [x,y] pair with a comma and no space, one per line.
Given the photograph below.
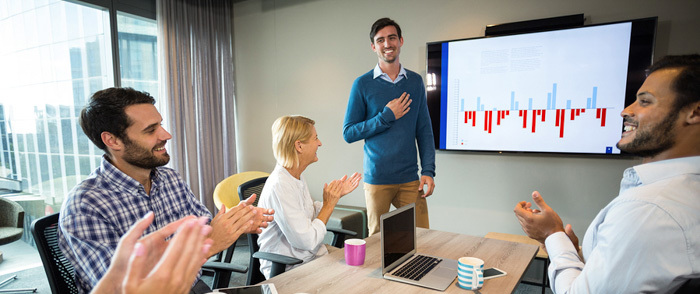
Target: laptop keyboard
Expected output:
[417,267]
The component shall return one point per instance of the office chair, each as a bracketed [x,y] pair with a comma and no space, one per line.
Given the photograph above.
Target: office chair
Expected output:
[222,267]
[279,262]
[11,221]
[58,269]
[11,230]
[226,193]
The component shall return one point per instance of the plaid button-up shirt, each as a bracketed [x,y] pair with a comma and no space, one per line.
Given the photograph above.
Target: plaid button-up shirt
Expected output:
[102,208]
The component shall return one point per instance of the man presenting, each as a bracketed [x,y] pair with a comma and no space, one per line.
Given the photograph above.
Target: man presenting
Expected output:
[130,182]
[647,239]
[379,111]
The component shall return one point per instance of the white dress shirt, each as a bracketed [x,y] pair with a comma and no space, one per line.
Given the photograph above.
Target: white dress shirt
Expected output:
[296,231]
[378,73]
[647,240]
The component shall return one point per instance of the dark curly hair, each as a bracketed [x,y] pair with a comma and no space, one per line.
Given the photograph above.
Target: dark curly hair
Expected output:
[105,113]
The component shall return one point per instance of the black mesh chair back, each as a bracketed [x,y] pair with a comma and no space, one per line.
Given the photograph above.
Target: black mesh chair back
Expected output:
[254,186]
[58,269]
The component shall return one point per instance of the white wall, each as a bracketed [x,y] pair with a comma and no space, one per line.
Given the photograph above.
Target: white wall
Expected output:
[301,57]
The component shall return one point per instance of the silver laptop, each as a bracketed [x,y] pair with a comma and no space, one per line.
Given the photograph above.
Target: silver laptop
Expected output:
[399,259]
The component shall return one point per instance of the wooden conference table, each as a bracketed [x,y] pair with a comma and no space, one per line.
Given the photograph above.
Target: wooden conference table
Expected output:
[330,274]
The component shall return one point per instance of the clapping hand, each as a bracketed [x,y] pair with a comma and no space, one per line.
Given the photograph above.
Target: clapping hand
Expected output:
[152,264]
[349,184]
[177,269]
[261,218]
[539,223]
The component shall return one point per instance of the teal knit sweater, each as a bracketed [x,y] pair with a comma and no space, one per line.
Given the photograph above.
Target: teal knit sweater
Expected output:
[391,156]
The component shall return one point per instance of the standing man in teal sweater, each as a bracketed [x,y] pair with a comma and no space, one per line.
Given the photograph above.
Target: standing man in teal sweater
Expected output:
[391,128]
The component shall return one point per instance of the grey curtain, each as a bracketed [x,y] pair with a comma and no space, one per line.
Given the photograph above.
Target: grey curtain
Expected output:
[196,55]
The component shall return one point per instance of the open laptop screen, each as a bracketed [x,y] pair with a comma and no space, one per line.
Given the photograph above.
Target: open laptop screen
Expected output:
[398,234]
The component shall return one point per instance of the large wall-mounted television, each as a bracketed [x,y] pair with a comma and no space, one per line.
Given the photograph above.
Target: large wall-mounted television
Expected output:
[555,91]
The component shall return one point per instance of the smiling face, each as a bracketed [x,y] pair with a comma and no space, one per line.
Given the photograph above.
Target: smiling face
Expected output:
[307,150]
[145,138]
[651,122]
[387,44]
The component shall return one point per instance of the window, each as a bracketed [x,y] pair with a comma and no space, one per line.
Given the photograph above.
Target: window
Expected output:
[55,54]
[137,53]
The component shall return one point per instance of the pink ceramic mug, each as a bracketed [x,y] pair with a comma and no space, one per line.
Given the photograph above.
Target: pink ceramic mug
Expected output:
[355,251]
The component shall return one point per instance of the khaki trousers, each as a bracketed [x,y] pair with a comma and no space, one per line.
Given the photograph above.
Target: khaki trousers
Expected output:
[379,199]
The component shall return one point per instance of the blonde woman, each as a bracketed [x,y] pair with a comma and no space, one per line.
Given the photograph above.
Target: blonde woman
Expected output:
[300,222]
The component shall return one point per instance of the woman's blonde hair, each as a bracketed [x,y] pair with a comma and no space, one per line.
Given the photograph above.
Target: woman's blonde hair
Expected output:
[286,130]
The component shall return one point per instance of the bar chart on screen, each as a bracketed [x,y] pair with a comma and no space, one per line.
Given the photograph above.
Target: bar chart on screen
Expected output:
[544,121]
[530,117]
[541,93]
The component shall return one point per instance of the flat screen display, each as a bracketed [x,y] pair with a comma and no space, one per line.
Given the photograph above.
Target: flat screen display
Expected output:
[558,91]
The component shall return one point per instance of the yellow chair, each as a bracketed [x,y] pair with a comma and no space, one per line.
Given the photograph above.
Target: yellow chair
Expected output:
[226,192]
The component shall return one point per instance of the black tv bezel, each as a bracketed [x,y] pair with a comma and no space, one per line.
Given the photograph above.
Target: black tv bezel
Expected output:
[641,55]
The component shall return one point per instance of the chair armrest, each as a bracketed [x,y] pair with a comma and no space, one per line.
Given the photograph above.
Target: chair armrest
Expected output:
[224,266]
[277,258]
[342,231]
[339,236]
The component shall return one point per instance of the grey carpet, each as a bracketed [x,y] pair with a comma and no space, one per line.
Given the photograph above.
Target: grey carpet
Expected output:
[29,278]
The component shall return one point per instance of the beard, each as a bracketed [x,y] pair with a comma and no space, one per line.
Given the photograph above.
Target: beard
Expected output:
[387,60]
[139,156]
[651,141]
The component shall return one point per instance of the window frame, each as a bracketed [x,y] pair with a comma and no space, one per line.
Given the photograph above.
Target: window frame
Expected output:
[142,8]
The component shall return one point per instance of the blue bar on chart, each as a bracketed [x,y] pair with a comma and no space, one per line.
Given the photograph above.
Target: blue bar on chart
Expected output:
[591,101]
[554,96]
[593,98]
[512,100]
[549,101]
[529,104]
[517,107]
[462,105]
[568,104]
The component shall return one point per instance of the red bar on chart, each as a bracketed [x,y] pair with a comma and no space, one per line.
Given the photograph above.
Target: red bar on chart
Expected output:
[561,126]
[486,121]
[602,121]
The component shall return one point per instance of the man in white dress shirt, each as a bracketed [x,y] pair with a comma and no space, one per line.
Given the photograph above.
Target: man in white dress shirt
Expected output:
[647,240]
